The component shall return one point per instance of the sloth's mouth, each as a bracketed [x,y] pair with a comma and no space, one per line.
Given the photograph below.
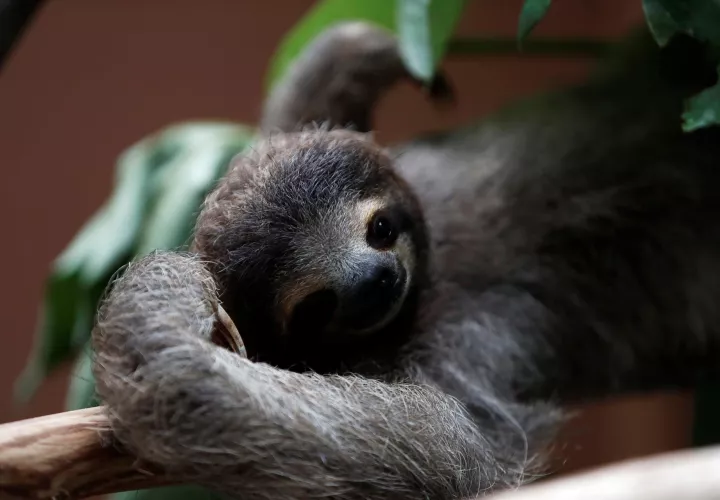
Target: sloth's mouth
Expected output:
[314,313]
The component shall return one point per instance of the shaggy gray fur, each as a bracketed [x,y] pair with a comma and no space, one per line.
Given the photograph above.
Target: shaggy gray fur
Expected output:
[572,252]
[254,431]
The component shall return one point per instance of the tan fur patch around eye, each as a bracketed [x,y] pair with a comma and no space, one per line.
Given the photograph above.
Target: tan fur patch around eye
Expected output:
[405,251]
[403,248]
[367,208]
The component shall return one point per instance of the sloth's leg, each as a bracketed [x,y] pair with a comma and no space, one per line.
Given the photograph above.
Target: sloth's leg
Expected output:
[337,80]
[248,429]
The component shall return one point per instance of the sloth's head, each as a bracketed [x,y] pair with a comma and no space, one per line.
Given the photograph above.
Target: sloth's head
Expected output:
[313,236]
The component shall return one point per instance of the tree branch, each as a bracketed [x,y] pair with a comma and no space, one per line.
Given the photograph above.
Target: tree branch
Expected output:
[688,475]
[68,455]
[73,454]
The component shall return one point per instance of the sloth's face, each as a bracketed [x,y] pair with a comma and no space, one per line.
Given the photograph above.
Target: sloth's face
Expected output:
[350,267]
[316,234]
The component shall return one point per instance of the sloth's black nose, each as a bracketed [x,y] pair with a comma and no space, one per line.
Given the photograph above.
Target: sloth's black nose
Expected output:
[375,280]
[372,293]
[363,300]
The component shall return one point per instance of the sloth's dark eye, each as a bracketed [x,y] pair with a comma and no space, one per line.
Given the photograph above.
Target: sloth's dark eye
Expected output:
[382,231]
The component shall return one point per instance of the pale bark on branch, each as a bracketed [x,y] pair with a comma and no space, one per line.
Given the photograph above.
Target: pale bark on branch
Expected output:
[67,455]
[70,455]
[682,475]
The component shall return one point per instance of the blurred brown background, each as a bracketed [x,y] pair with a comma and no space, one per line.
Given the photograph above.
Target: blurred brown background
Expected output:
[91,77]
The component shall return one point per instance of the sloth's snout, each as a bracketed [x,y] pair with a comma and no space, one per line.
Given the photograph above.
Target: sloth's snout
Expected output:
[371,295]
[366,298]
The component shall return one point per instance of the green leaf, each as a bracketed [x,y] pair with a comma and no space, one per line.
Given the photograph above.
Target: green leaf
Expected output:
[415,38]
[203,154]
[701,20]
[703,109]
[53,339]
[159,186]
[321,16]
[661,22]
[110,235]
[697,18]
[81,392]
[531,14]
[169,493]
[424,28]
[94,254]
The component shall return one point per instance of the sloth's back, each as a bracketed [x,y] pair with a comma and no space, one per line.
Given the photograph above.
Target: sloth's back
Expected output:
[593,201]
[581,163]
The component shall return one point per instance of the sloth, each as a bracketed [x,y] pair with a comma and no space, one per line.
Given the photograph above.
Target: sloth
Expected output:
[417,317]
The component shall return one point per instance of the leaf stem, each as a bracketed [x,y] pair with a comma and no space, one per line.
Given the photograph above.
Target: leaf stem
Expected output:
[537,47]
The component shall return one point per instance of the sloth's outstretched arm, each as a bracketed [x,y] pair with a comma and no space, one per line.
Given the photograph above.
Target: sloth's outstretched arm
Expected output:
[337,80]
[253,431]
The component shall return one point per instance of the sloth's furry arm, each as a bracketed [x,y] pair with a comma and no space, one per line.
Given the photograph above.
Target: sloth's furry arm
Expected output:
[253,431]
[338,78]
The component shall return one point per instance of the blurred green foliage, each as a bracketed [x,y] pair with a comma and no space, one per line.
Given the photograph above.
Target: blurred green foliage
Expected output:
[160,184]
[424,28]
[162,180]
[701,20]
[322,15]
[531,14]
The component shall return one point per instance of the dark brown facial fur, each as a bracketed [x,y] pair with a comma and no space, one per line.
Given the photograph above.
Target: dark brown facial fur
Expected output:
[318,245]
[567,249]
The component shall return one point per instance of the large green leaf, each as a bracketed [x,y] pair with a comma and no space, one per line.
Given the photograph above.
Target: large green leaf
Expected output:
[160,184]
[424,28]
[99,248]
[701,20]
[698,18]
[531,14]
[322,15]
[110,235]
[202,155]
[191,157]
[81,392]
[703,109]
[661,23]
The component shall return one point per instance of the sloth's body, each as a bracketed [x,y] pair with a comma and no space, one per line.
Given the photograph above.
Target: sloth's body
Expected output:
[563,252]
[569,243]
